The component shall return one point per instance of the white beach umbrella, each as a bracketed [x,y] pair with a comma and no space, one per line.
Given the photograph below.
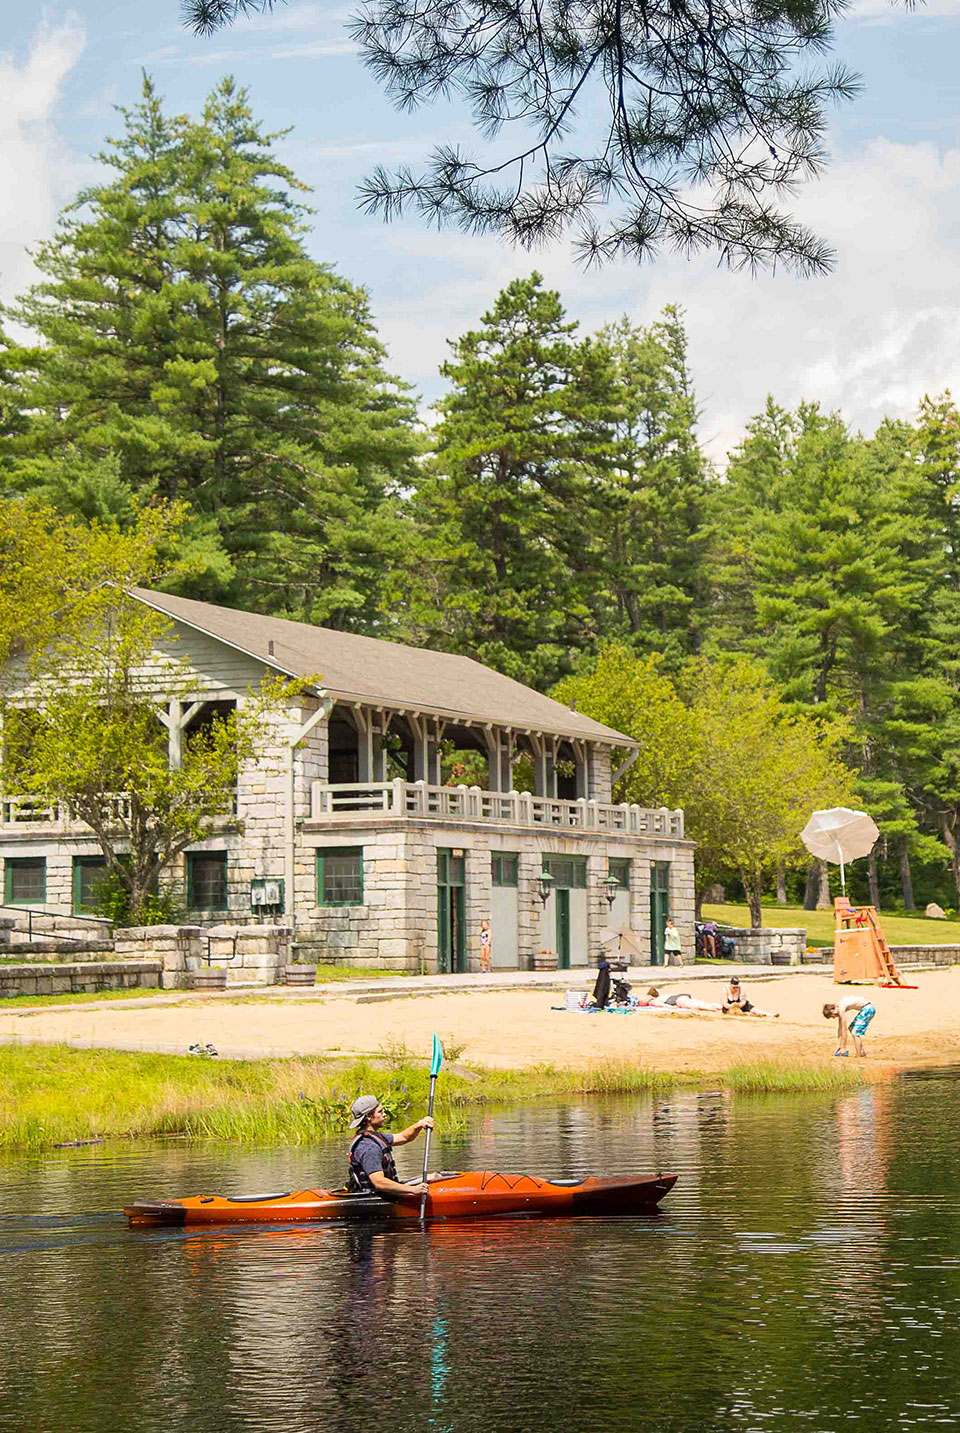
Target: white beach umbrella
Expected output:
[840,835]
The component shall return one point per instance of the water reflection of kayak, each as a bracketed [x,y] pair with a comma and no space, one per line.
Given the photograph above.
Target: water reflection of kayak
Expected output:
[451,1196]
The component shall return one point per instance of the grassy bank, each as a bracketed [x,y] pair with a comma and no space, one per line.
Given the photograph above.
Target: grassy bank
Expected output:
[899,930]
[52,1095]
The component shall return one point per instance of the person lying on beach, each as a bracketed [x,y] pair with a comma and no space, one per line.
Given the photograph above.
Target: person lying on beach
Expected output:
[679,1000]
[735,999]
[853,1014]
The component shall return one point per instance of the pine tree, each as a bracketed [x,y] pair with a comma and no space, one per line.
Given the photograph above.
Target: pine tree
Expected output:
[510,557]
[824,574]
[929,489]
[652,498]
[187,336]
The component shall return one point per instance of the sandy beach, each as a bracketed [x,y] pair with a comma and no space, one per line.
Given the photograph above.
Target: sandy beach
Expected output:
[521,1029]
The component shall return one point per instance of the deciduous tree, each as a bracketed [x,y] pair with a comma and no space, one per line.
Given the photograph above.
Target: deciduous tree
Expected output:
[746,768]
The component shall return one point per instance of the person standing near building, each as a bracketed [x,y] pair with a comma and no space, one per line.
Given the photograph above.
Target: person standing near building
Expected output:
[672,948]
[485,947]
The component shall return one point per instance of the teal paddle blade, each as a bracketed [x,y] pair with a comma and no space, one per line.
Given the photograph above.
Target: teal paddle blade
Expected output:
[437,1060]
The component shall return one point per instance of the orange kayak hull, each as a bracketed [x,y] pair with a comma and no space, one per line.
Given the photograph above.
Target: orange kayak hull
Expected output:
[477,1195]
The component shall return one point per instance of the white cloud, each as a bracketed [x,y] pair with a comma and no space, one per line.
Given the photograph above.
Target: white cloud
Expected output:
[288,15]
[307,50]
[890,11]
[287,32]
[869,340]
[31,154]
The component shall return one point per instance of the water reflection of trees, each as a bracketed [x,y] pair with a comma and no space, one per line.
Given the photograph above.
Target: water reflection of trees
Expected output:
[792,1278]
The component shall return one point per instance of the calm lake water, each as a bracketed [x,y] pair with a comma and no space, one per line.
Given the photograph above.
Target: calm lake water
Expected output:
[805,1274]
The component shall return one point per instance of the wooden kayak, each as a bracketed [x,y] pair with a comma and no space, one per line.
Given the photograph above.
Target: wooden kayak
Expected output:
[478,1195]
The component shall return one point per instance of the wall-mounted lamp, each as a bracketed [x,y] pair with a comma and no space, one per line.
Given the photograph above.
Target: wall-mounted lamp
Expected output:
[546,886]
[610,888]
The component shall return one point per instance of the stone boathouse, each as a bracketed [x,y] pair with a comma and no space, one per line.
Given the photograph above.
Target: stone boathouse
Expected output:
[346,830]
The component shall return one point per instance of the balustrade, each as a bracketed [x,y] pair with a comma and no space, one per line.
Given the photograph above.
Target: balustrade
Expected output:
[470,803]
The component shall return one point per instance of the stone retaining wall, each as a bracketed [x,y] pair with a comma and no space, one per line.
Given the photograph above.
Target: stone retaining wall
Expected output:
[79,977]
[926,954]
[753,947]
[251,954]
[790,941]
[759,947]
[54,951]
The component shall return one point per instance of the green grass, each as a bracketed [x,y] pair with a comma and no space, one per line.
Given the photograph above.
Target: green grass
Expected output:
[325,973]
[19,1002]
[899,930]
[52,1094]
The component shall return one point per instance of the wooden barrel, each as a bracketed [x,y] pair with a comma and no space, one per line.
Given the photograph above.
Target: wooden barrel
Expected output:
[208,978]
[299,974]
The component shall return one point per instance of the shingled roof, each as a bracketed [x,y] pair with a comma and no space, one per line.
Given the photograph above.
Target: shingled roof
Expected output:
[384,674]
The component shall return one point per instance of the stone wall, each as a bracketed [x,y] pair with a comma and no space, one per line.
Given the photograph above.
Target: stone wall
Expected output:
[789,941]
[396,926]
[79,977]
[926,954]
[251,954]
[177,948]
[753,947]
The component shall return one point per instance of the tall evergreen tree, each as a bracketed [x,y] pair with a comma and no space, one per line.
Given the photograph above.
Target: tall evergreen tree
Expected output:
[819,579]
[187,337]
[652,495]
[930,489]
[509,561]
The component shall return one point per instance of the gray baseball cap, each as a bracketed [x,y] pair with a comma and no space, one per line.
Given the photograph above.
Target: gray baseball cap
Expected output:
[362,1106]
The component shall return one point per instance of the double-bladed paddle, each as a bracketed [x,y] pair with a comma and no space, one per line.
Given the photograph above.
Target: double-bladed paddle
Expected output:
[435,1064]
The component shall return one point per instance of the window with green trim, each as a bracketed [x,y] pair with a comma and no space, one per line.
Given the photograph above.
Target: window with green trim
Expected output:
[25,880]
[207,880]
[619,868]
[340,876]
[451,869]
[504,867]
[88,875]
[660,876]
[569,872]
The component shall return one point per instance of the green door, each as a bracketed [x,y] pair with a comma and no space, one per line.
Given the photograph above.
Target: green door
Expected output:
[562,915]
[451,914]
[659,908]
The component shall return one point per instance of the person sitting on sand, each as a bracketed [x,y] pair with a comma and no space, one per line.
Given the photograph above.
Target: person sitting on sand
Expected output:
[372,1170]
[679,1000]
[853,1015]
[736,1000]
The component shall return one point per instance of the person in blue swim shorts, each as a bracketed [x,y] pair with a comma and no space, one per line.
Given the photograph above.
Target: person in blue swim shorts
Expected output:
[853,1014]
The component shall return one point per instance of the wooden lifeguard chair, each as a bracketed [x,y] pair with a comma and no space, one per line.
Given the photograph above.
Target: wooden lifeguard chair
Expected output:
[860,950]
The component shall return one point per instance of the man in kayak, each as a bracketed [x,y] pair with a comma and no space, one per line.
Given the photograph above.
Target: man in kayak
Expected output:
[372,1170]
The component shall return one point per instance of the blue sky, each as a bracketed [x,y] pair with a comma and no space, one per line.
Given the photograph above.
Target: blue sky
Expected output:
[870,340]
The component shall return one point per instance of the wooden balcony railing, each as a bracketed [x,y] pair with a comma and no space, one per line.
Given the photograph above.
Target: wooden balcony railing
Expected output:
[470,803]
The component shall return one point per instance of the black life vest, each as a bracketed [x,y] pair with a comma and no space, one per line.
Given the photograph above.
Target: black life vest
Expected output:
[359,1179]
